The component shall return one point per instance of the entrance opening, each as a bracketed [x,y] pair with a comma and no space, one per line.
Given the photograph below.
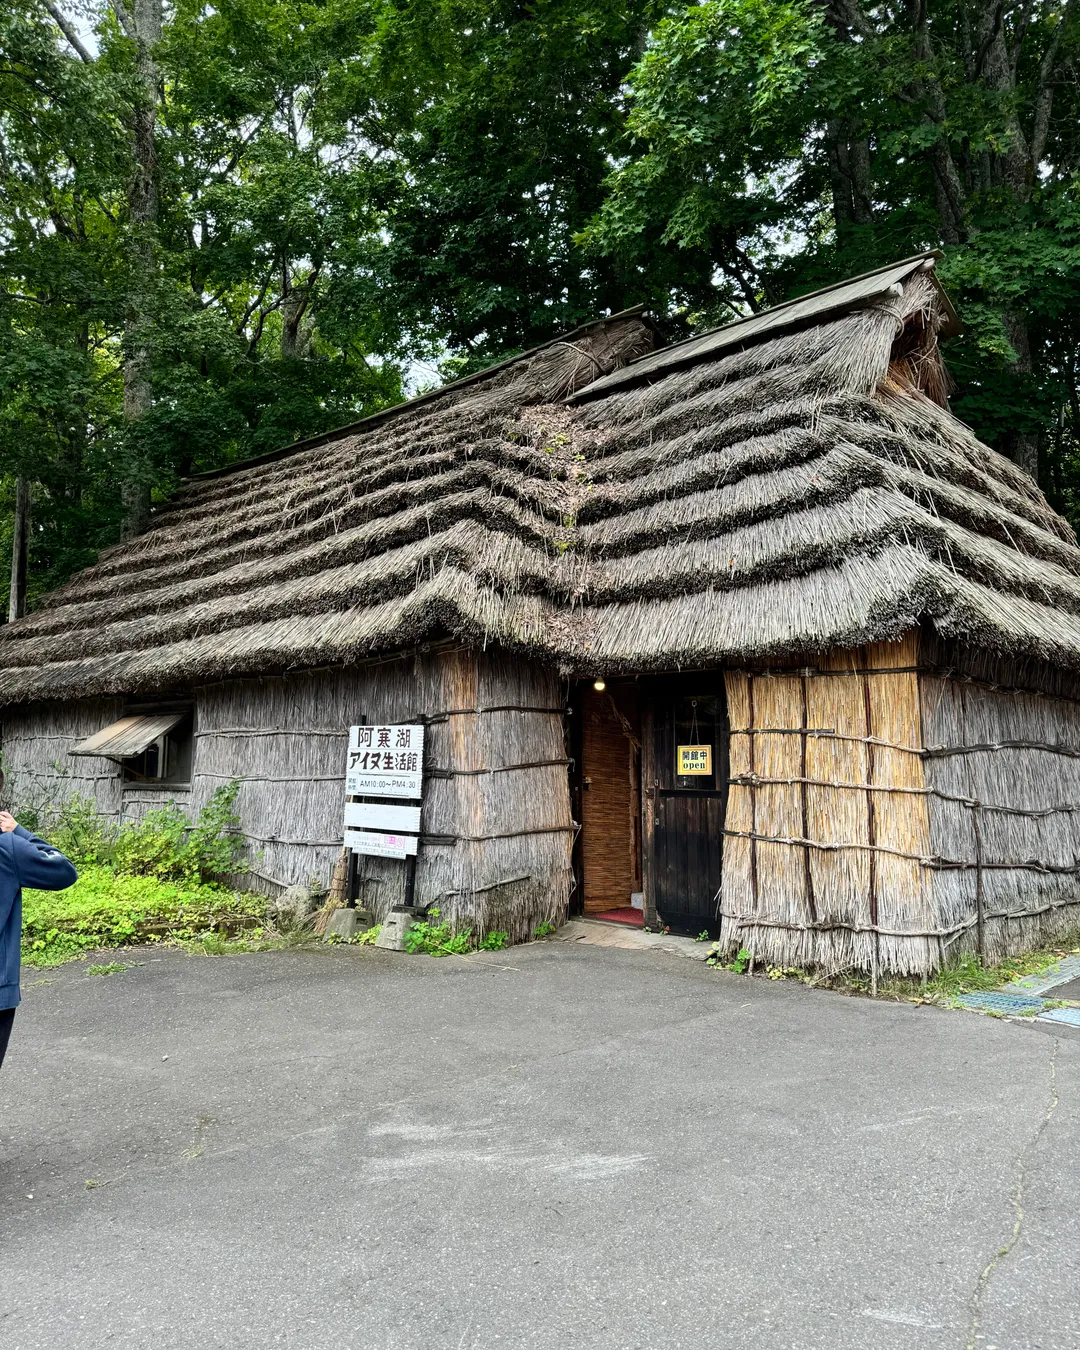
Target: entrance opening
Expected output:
[686,771]
[611,803]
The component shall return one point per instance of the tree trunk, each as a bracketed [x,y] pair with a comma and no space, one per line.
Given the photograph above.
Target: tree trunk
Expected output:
[20,548]
[998,75]
[1021,446]
[143,213]
[292,314]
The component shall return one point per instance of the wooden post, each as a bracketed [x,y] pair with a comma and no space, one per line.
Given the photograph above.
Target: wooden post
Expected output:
[410,879]
[411,861]
[808,866]
[20,547]
[871,832]
[751,753]
[351,888]
[352,876]
[980,927]
[649,790]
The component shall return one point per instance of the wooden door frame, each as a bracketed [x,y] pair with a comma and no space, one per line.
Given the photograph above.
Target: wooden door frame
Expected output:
[654,691]
[649,790]
[574,744]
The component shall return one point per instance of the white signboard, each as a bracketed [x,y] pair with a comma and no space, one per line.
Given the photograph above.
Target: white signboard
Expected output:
[380,845]
[385,762]
[376,816]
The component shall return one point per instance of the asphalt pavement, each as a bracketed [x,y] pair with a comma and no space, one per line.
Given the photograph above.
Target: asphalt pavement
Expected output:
[555,1146]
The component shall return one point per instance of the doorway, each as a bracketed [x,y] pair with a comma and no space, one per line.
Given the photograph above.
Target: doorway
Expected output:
[685,776]
[610,803]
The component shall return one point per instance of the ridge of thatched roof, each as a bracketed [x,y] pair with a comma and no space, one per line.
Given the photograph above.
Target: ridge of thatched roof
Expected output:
[791,316]
[778,495]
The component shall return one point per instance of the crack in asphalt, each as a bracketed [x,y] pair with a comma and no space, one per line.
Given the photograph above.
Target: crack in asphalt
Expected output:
[1016,1200]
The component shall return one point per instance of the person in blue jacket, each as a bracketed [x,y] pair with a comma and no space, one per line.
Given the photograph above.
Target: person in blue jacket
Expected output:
[25,860]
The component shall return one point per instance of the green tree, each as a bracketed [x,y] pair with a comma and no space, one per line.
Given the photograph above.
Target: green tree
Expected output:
[503,118]
[188,254]
[782,145]
[225,227]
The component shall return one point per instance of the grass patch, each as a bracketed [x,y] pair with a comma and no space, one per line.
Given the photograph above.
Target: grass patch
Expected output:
[158,879]
[968,975]
[106,908]
[109,968]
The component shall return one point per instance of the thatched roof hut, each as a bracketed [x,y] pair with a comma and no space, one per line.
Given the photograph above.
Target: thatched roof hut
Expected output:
[774,540]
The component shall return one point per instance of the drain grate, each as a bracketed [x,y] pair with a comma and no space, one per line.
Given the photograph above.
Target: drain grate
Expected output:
[1053,977]
[998,1002]
[1070,1016]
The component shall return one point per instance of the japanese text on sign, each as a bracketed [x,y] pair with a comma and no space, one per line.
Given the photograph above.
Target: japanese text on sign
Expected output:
[693,759]
[380,845]
[385,761]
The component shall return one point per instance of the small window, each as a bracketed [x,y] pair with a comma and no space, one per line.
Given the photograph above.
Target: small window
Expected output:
[151,746]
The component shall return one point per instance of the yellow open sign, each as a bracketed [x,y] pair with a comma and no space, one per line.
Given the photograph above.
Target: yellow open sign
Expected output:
[693,759]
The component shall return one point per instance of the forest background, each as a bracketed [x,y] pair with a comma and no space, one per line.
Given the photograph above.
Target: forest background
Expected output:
[226,227]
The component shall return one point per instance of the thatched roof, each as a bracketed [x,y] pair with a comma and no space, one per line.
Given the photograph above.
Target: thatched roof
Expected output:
[791,482]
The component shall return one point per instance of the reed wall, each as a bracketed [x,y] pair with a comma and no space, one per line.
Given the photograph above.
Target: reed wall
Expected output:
[40,774]
[827,825]
[497,826]
[1003,765]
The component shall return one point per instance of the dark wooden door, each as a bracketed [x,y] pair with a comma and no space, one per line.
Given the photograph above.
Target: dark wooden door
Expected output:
[686,795]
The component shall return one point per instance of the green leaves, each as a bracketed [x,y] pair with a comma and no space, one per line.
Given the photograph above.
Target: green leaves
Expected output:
[779,147]
[349,185]
[263,313]
[165,844]
[106,909]
[503,119]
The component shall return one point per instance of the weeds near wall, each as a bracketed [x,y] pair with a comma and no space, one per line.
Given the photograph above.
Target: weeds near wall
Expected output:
[106,908]
[966,974]
[437,938]
[153,880]
[166,845]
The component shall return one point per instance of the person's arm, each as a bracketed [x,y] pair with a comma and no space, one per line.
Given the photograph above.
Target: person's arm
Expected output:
[9,878]
[38,865]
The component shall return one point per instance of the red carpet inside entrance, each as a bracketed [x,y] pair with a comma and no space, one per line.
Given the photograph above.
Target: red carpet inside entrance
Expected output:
[634,917]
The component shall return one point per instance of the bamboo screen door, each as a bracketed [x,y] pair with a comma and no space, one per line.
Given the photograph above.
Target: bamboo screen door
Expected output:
[684,776]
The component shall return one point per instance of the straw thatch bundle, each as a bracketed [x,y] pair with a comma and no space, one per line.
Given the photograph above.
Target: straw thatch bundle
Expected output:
[828,828]
[803,492]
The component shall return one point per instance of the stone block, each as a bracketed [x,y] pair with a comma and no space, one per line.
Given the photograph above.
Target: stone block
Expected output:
[295,905]
[343,924]
[394,927]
